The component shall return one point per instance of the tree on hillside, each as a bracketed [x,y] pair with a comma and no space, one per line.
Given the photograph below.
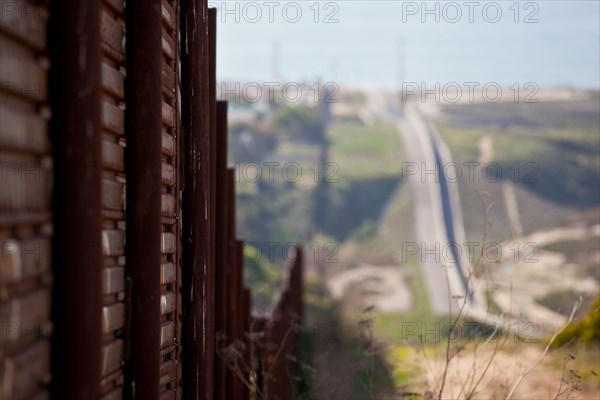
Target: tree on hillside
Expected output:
[303,124]
[250,143]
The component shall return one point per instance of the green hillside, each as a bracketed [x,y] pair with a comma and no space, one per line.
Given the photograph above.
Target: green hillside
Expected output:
[551,152]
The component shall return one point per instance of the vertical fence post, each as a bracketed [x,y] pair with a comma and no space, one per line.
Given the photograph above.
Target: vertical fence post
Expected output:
[247,332]
[143,162]
[298,284]
[75,100]
[239,312]
[258,346]
[231,267]
[197,272]
[212,206]
[281,337]
[221,218]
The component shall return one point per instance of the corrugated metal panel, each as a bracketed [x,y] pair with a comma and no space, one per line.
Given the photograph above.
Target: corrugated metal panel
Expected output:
[168,372]
[112,34]
[25,216]
[29,29]
[168,273]
[113,317]
[111,356]
[23,372]
[171,207]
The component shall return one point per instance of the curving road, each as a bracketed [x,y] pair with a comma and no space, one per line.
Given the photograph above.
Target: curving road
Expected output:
[437,216]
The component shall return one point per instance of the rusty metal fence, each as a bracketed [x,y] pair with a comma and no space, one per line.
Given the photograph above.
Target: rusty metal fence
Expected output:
[276,337]
[25,204]
[121,275]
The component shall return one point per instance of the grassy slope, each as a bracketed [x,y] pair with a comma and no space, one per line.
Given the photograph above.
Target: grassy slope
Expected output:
[567,154]
[563,140]
[368,158]
[363,151]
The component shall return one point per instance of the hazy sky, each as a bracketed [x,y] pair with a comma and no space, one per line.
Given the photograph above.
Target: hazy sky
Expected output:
[552,43]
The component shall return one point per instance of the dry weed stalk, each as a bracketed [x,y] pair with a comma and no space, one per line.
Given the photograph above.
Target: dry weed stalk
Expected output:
[480,370]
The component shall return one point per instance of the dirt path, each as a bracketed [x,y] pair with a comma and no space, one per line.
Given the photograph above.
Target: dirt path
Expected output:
[383,287]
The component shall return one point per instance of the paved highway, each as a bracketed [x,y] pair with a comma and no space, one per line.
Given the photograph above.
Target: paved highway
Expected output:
[437,215]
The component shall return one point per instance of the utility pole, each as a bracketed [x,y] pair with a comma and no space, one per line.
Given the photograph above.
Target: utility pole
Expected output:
[400,61]
[275,62]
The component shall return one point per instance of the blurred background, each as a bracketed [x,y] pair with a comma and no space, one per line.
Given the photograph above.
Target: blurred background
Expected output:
[440,161]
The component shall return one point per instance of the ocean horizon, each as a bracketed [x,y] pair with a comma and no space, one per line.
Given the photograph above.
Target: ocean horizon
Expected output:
[378,44]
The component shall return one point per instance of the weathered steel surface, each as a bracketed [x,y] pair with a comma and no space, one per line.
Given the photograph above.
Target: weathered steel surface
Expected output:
[221,248]
[172,156]
[131,320]
[26,22]
[211,52]
[231,262]
[246,337]
[281,334]
[145,240]
[198,339]
[76,131]
[114,181]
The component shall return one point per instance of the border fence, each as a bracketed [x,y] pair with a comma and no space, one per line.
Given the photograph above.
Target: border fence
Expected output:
[121,275]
